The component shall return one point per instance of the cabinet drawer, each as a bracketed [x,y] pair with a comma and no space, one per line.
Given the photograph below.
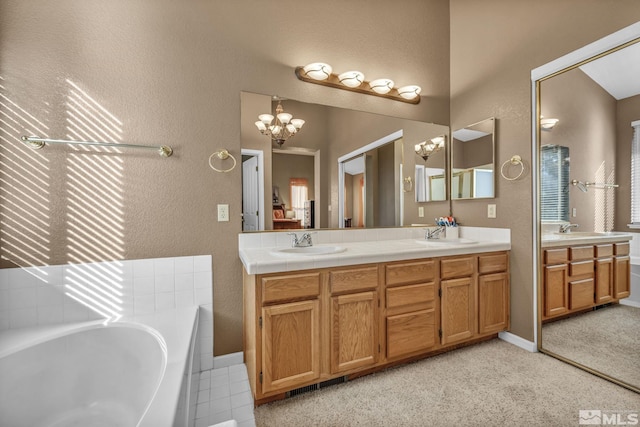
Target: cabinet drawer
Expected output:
[579,253]
[621,249]
[603,251]
[400,296]
[295,286]
[410,272]
[457,267]
[580,268]
[353,279]
[493,263]
[556,256]
[410,333]
[581,294]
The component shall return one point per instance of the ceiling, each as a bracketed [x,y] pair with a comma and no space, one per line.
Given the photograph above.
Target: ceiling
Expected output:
[618,73]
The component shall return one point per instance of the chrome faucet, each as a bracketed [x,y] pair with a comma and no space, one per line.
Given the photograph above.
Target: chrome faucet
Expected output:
[566,228]
[302,242]
[434,233]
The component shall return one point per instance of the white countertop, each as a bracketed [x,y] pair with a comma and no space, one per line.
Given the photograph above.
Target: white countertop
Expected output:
[577,238]
[260,260]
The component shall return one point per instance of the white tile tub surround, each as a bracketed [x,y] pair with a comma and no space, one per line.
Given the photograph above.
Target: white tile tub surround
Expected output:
[38,296]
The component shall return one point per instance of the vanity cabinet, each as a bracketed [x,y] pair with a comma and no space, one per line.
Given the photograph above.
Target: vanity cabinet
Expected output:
[621,271]
[604,274]
[412,308]
[580,277]
[307,327]
[290,330]
[493,293]
[458,291]
[354,318]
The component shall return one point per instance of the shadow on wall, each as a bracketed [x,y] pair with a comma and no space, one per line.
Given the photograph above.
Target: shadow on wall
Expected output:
[86,185]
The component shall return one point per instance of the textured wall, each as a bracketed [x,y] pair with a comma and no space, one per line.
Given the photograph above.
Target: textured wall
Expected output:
[494,46]
[167,72]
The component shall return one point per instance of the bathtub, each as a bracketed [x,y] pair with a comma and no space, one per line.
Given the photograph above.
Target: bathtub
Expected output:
[135,371]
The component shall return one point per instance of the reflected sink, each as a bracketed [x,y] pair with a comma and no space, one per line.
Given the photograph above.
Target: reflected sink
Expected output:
[442,242]
[581,234]
[308,251]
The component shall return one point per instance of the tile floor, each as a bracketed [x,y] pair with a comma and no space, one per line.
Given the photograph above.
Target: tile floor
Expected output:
[224,395]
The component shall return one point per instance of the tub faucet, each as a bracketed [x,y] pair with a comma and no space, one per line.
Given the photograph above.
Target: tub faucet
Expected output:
[433,233]
[302,242]
[566,228]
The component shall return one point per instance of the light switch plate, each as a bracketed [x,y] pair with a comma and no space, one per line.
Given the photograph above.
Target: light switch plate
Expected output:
[421,211]
[491,211]
[223,213]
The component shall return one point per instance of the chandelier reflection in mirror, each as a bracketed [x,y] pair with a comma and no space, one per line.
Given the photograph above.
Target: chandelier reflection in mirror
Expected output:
[284,127]
[426,149]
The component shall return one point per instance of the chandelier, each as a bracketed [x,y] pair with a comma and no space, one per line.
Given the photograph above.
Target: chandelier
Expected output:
[425,149]
[283,128]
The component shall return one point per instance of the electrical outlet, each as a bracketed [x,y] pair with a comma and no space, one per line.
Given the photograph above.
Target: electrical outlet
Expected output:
[421,211]
[223,213]
[491,211]
[573,212]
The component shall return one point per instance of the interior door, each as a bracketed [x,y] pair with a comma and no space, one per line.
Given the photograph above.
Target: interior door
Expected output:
[250,204]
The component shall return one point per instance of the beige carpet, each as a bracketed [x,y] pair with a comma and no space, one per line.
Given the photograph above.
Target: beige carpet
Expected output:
[489,384]
[607,340]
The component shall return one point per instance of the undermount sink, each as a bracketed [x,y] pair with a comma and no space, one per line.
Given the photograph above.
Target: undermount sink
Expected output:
[441,242]
[580,234]
[309,250]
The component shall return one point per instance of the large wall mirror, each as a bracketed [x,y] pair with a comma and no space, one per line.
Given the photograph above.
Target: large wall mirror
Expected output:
[313,155]
[583,107]
[473,161]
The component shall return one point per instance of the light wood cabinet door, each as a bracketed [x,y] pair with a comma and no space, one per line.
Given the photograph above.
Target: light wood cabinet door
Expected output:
[556,292]
[493,303]
[622,277]
[290,345]
[354,331]
[411,332]
[604,280]
[581,294]
[457,310]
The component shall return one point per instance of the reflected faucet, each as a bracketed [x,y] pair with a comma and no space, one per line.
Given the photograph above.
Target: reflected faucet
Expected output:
[566,228]
[302,242]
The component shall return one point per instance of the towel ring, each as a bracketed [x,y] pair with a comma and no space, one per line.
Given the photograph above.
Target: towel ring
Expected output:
[222,154]
[515,160]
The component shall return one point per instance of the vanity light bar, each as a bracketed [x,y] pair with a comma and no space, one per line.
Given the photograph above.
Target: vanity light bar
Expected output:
[322,74]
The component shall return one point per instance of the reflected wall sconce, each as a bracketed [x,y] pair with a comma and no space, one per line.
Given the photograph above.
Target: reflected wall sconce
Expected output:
[426,149]
[548,124]
[285,126]
[322,74]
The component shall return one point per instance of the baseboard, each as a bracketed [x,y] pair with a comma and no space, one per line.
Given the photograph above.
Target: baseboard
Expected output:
[635,304]
[227,360]
[518,341]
